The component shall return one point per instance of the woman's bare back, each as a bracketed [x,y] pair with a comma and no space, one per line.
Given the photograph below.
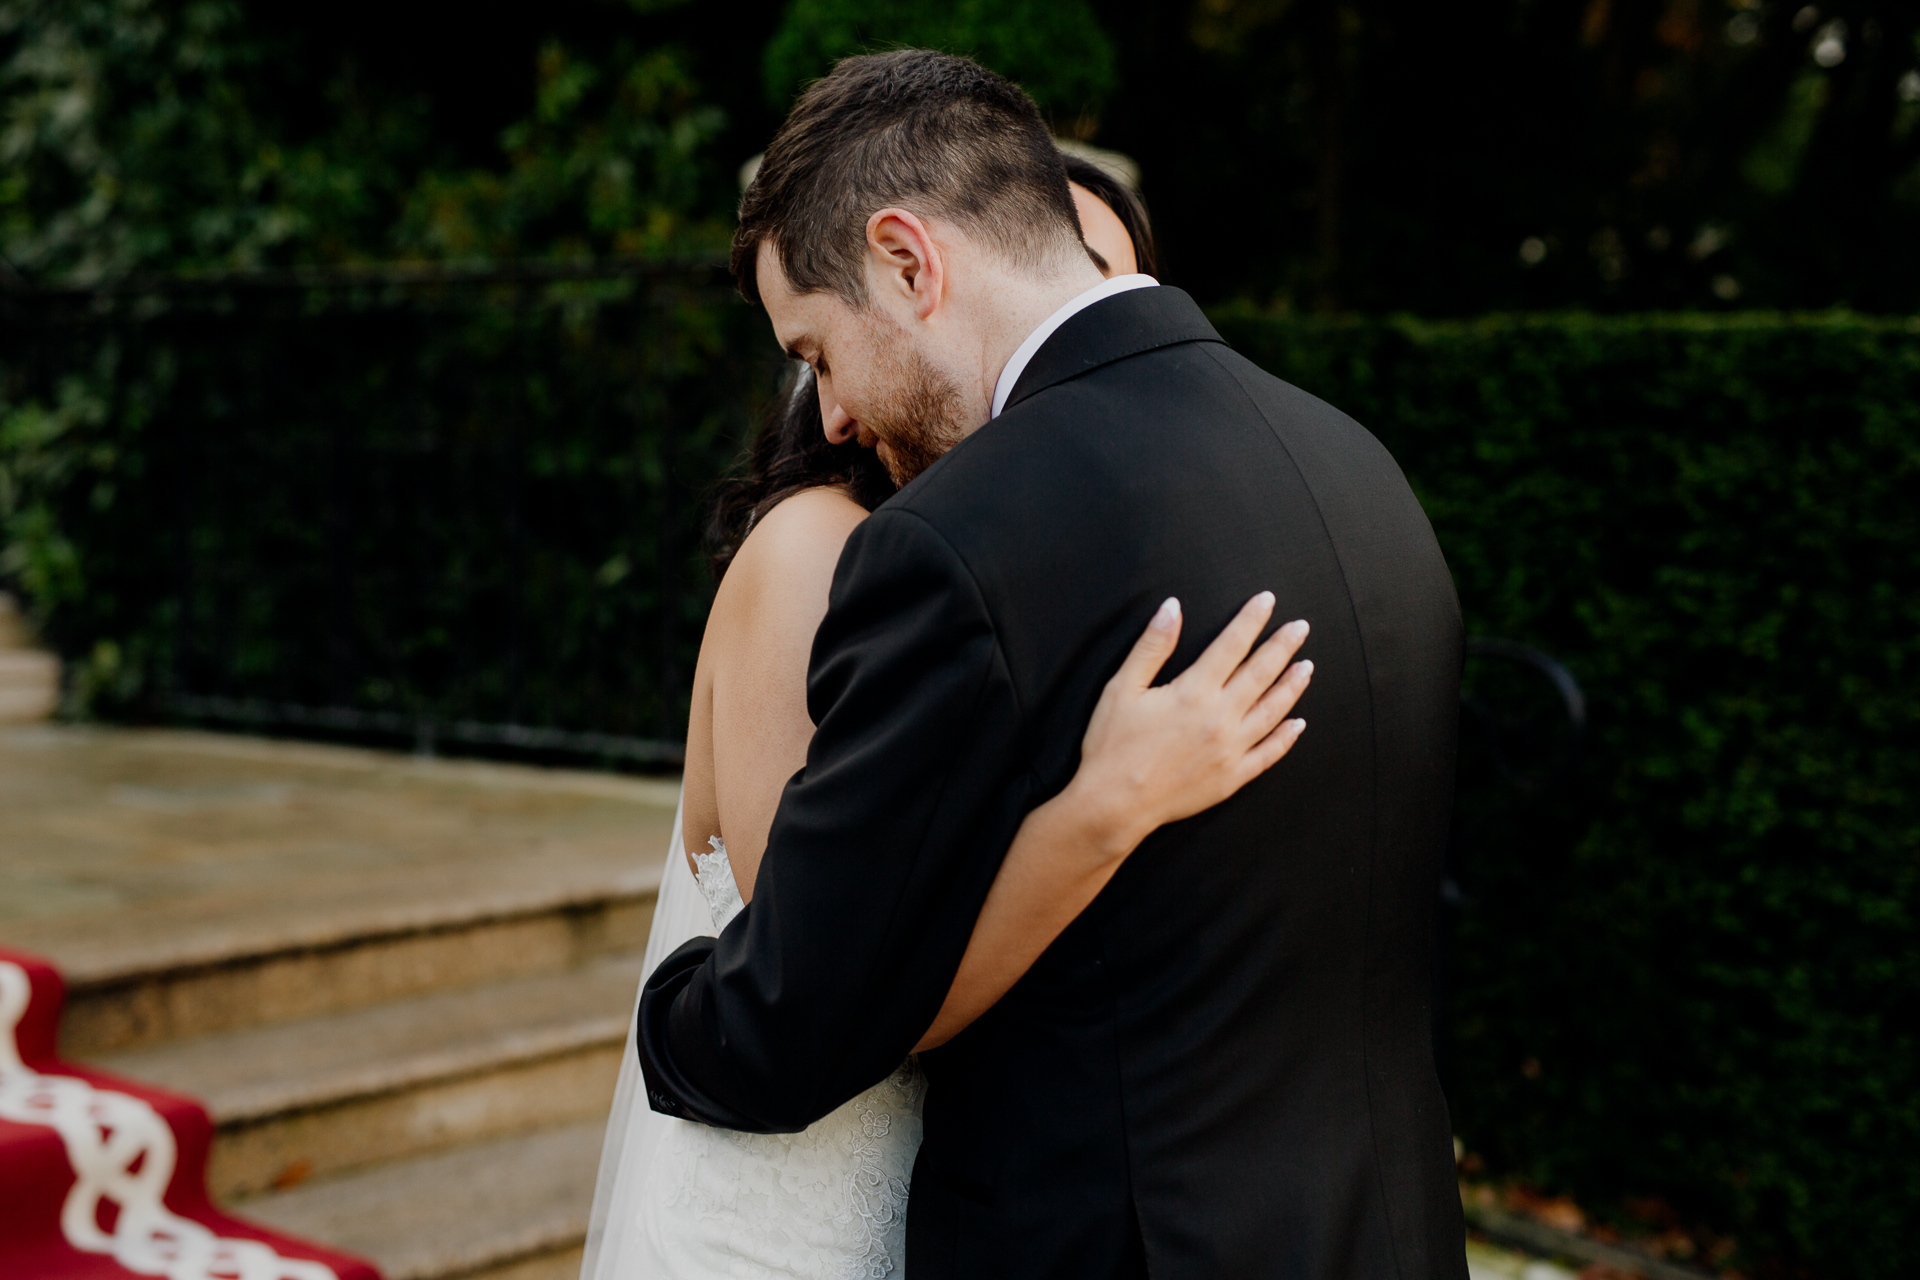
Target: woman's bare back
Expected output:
[749,729]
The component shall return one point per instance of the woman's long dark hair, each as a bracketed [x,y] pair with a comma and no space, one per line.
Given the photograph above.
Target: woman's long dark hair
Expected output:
[791,452]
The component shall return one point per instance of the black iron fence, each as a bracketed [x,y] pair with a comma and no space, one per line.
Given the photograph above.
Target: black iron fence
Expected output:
[450,505]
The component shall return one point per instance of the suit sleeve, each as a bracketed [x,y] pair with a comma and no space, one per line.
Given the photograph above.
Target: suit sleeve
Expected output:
[879,858]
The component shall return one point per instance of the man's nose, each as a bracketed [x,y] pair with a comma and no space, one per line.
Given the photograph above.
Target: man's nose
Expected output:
[839,422]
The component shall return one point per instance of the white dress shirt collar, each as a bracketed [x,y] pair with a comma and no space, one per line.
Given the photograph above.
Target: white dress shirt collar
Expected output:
[1017,365]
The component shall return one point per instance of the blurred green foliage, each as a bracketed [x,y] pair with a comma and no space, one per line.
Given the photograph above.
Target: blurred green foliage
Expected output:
[1056,51]
[608,164]
[1327,155]
[1696,975]
[128,141]
[166,135]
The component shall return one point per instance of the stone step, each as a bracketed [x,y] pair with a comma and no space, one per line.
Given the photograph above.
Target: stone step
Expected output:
[512,1209]
[191,884]
[335,1093]
[365,969]
[29,685]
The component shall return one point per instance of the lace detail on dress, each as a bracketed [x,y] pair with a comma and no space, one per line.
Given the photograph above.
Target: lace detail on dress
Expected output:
[829,1203]
[876,1185]
[713,872]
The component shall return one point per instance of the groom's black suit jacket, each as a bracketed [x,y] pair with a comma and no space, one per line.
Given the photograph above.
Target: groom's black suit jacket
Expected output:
[1223,1067]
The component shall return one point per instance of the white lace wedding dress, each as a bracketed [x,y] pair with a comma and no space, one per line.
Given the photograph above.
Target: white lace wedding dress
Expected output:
[681,1201]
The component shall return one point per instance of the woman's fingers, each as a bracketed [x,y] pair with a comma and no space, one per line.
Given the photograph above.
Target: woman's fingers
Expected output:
[1258,672]
[1151,651]
[1270,749]
[1217,663]
[1278,702]
[1153,755]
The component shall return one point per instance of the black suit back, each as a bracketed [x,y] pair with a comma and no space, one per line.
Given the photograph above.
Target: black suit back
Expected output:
[1223,1068]
[1237,1031]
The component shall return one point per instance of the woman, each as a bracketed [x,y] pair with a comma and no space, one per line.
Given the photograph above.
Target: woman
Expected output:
[686,1202]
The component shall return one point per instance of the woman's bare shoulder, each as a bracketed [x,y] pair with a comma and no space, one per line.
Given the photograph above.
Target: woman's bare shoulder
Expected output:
[802,536]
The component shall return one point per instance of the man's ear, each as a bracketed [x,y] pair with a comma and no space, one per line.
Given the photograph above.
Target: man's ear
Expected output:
[904,262]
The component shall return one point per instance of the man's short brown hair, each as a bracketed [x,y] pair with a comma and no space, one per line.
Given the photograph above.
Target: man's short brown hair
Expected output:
[938,135]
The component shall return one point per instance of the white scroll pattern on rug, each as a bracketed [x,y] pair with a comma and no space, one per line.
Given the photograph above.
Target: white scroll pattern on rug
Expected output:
[122,1153]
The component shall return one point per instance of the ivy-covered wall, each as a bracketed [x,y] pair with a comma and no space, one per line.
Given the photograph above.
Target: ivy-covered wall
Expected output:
[1696,975]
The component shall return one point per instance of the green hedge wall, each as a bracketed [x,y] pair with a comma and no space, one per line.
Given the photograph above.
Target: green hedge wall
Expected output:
[1696,975]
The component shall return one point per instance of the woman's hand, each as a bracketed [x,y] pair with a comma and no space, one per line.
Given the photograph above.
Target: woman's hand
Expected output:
[1156,755]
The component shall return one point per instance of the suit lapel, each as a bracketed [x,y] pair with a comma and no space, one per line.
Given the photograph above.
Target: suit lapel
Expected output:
[1113,329]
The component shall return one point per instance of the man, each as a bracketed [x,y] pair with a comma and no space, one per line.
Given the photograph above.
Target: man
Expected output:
[1223,1067]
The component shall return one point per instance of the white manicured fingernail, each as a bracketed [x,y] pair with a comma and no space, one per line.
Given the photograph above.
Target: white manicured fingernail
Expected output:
[1306,667]
[1168,615]
[1264,599]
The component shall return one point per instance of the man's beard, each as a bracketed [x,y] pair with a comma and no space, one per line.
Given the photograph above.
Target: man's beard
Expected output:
[918,420]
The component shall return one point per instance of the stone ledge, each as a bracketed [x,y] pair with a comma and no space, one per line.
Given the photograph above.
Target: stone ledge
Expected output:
[29,686]
[13,627]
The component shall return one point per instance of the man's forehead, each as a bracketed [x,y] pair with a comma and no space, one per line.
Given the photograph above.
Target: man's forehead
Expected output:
[798,318]
[768,271]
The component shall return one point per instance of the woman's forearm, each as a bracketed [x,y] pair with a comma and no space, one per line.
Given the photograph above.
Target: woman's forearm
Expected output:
[1062,856]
